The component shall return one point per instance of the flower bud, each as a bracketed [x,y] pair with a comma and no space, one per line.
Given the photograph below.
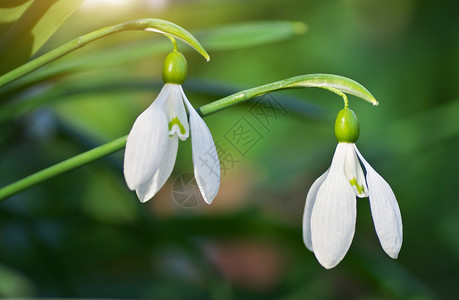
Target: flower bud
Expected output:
[346,126]
[174,69]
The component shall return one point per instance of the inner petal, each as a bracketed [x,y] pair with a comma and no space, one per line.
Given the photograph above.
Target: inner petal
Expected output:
[354,173]
[176,113]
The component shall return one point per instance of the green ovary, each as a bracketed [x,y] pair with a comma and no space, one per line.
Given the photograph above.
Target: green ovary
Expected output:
[359,187]
[176,121]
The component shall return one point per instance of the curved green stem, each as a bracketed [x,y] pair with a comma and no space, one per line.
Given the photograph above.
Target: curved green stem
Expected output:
[174,43]
[155,25]
[343,95]
[334,83]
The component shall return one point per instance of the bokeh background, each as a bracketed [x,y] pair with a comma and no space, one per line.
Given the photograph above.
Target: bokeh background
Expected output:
[84,234]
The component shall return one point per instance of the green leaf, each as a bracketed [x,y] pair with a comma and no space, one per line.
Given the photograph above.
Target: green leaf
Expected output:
[27,25]
[236,36]
[10,11]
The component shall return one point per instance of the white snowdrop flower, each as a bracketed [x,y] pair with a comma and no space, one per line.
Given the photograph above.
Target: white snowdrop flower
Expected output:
[330,210]
[152,143]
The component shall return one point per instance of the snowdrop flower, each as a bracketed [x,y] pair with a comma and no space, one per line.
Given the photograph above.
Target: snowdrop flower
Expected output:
[151,147]
[330,210]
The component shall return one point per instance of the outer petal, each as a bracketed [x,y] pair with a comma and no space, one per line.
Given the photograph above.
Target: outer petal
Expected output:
[205,157]
[354,172]
[310,201]
[148,189]
[334,214]
[146,143]
[385,211]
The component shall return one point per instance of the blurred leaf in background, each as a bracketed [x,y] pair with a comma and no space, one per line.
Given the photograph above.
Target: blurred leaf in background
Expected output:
[26,25]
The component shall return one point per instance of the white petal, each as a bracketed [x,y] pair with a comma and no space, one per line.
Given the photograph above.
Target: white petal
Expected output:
[176,113]
[146,143]
[385,211]
[334,214]
[148,189]
[205,158]
[310,200]
[354,172]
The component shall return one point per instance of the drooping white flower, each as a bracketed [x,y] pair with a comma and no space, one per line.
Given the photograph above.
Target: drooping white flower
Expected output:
[152,143]
[330,209]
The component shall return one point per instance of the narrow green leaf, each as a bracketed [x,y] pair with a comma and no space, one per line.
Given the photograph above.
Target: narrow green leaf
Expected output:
[10,11]
[29,24]
[154,25]
[236,36]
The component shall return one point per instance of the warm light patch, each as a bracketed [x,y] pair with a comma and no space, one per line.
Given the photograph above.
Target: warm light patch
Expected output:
[155,5]
[90,4]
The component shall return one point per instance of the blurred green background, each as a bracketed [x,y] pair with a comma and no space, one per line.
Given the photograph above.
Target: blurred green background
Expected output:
[84,234]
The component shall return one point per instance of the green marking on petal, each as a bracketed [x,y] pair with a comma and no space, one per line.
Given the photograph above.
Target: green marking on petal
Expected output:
[176,121]
[359,187]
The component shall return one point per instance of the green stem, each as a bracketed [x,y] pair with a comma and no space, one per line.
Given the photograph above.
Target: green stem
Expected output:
[343,95]
[174,43]
[334,83]
[155,25]
[62,167]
